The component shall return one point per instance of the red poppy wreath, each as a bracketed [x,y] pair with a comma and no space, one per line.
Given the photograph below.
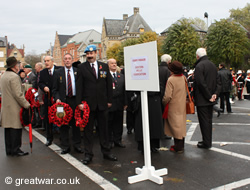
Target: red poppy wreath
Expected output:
[30,97]
[60,118]
[82,121]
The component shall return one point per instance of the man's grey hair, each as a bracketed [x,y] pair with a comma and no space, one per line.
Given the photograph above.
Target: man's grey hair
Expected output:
[166,58]
[51,58]
[40,65]
[201,52]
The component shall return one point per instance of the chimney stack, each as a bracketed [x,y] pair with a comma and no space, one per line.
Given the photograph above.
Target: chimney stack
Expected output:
[136,10]
[125,16]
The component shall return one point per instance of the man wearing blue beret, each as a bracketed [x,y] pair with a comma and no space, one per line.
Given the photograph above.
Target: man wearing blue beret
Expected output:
[94,85]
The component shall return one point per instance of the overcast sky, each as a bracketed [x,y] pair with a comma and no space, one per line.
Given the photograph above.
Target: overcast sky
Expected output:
[35,22]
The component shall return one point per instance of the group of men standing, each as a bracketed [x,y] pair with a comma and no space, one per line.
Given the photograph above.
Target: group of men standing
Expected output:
[103,88]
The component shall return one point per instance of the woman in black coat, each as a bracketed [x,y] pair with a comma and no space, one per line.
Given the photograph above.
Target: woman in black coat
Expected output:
[155,121]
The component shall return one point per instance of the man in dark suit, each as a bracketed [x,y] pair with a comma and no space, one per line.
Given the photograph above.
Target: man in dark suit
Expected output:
[94,85]
[46,85]
[206,90]
[119,104]
[64,90]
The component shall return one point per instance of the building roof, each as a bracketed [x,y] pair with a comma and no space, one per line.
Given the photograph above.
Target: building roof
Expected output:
[63,38]
[196,28]
[132,24]
[3,42]
[114,27]
[20,50]
[86,37]
[135,22]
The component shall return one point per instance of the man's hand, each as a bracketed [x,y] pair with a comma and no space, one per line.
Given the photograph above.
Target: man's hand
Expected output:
[58,101]
[46,89]
[80,106]
[109,105]
[213,98]
[41,103]
[125,107]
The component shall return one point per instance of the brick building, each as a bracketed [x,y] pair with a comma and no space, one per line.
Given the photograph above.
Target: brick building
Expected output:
[118,30]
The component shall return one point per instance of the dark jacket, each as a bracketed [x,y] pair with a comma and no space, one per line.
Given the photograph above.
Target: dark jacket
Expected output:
[164,74]
[59,84]
[206,82]
[96,92]
[226,80]
[119,99]
[30,79]
[46,79]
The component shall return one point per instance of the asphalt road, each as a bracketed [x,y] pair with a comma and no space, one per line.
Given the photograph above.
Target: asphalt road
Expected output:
[225,166]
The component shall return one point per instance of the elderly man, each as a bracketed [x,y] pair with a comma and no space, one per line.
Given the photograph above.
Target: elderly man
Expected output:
[206,90]
[46,84]
[12,101]
[94,85]
[64,90]
[119,104]
[30,77]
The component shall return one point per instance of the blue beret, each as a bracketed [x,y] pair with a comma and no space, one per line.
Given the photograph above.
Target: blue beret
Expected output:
[90,48]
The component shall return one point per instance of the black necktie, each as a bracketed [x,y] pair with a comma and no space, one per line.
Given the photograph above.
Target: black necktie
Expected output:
[93,68]
[69,84]
[50,73]
[115,77]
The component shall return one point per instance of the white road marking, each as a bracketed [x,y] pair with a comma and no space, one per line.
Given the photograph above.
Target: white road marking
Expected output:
[229,186]
[95,177]
[234,185]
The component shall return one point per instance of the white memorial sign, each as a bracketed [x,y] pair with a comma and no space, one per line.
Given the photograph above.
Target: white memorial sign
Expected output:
[141,74]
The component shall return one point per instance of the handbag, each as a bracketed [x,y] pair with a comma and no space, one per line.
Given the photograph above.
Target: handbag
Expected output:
[189,102]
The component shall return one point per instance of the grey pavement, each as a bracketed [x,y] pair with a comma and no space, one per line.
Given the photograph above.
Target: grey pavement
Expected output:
[225,166]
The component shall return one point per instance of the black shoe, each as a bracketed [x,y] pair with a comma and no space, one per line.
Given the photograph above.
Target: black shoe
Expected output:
[202,145]
[154,150]
[129,131]
[21,153]
[79,150]
[65,151]
[87,160]
[119,144]
[48,143]
[218,113]
[110,157]
[229,112]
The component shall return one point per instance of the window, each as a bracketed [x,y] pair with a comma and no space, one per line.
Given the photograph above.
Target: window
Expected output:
[1,64]
[15,54]
[1,54]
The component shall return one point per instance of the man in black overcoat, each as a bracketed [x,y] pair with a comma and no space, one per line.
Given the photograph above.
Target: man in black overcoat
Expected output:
[206,90]
[94,85]
[226,87]
[46,85]
[64,90]
[119,104]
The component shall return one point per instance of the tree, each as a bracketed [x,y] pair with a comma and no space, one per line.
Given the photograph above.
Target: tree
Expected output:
[182,42]
[227,42]
[117,51]
[242,16]
[32,58]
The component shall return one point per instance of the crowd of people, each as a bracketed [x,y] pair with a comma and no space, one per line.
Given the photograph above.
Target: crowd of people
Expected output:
[102,87]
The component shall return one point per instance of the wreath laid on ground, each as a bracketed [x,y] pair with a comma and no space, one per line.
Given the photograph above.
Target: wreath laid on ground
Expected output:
[82,117]
[60,118]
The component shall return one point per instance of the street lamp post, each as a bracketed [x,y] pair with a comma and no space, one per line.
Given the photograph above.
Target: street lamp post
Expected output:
[206,16]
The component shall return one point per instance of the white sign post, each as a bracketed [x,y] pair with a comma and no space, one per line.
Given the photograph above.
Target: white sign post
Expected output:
[141,74]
